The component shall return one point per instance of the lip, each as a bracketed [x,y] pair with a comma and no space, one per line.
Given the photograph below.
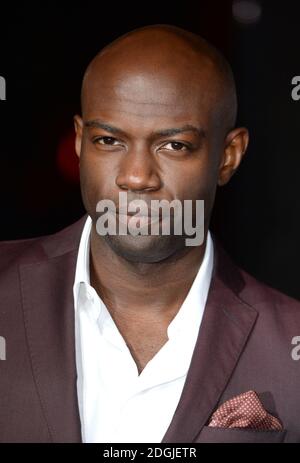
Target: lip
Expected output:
[144,220]
[150,215]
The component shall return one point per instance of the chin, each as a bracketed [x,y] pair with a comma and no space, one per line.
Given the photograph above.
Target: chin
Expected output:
[145,249]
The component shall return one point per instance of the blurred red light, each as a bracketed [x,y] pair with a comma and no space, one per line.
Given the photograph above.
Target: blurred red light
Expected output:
[66,158]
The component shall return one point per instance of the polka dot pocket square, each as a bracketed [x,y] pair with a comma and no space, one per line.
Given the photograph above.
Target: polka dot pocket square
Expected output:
[244,411]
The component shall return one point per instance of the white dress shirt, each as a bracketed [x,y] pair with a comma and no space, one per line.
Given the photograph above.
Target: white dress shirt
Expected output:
[116,404]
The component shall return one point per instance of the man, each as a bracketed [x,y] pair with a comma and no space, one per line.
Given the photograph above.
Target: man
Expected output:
[121,338]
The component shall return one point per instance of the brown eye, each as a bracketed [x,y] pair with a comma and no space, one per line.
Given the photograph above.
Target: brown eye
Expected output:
[175,146]
[105,140]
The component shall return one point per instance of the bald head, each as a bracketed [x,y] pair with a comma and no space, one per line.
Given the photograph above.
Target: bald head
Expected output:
[174,60]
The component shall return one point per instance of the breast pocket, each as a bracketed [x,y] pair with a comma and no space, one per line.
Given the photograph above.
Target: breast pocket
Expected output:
[211,434]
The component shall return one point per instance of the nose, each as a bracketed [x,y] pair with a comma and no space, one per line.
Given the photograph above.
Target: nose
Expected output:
[138,172]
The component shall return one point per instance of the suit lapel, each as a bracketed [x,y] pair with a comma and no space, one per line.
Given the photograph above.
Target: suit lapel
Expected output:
[225,328]
[47,292]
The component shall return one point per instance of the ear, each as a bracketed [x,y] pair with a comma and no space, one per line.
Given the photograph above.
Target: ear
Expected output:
[236,143]
[78,123]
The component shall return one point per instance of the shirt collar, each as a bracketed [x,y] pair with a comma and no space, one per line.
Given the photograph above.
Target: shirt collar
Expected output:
[82,273]
[83,260]
[190,314]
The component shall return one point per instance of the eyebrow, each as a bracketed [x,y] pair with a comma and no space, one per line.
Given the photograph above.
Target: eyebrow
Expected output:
[160,133]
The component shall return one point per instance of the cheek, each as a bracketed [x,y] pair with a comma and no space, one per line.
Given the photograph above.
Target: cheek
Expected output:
[196,179]
[96,180]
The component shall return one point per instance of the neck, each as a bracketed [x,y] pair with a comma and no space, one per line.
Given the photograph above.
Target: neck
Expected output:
[143,289]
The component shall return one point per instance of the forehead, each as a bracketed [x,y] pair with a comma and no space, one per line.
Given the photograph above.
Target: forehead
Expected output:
[151,95]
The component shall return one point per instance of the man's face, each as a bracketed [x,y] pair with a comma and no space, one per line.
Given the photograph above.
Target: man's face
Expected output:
[152,135]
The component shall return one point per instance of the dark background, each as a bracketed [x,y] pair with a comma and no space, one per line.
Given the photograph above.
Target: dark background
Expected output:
[43,53]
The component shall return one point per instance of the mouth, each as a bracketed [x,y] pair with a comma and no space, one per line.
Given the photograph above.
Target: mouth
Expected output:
[150,214]
[143,221]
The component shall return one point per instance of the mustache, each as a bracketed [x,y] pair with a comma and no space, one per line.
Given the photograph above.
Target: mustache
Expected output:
[140,207]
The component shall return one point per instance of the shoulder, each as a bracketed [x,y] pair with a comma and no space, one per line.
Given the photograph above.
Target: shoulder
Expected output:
[259,293]
[279,314]
[16,252]
[268,301]
[12,251]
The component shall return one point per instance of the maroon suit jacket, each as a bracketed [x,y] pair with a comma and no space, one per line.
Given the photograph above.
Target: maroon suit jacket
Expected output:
[244,343]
